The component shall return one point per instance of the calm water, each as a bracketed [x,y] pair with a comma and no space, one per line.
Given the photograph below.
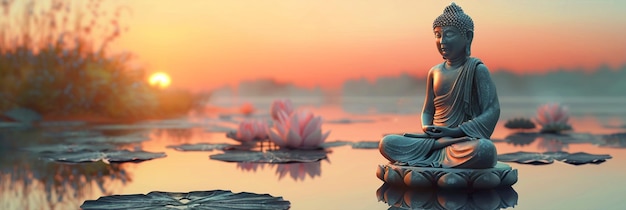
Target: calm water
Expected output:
[346,180]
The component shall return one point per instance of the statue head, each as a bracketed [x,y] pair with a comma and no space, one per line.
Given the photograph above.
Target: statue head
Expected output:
[454,31]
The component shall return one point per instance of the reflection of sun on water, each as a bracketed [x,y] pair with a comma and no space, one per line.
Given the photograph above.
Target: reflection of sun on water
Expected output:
[159,79]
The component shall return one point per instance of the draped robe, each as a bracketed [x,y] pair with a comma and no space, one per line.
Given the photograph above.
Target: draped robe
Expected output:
[472,105]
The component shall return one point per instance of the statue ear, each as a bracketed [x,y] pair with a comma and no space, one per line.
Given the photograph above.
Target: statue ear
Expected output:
[469,36]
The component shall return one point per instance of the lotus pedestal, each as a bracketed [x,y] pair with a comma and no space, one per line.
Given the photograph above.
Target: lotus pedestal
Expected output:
[501,175]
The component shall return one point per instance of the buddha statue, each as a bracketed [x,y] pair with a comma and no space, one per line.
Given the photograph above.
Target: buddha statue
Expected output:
[460,110]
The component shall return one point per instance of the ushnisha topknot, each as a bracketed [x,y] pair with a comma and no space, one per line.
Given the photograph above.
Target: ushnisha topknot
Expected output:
[453,15]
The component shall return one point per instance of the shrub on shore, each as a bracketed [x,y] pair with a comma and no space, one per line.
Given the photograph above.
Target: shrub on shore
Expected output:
[55,59]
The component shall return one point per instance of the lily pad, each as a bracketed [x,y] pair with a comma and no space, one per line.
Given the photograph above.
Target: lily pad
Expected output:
[535,158]
[354,145]
[580,158]
[13,125]
[72,134]
[215,199]
[348,121]
[330,144]
[61,148]
[199,147]
[616,140]
[365,145]
[276,156]
[62,123]
[126,139]
[163,124]
[23,115]
[218,129]
[104,156]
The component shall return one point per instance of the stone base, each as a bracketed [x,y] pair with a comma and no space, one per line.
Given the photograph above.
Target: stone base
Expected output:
[502,175]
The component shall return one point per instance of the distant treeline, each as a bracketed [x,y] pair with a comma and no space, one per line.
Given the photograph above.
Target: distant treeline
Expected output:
[603,81]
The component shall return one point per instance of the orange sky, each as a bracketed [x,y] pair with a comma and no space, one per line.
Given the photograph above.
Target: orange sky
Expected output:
[205,44]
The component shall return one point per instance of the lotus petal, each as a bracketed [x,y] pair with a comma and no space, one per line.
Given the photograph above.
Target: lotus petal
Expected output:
[278,140]
[277,106]
[293,139]
[325,136]
[314,126]
[313,140]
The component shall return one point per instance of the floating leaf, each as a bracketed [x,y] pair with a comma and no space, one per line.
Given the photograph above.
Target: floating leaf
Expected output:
[555,128]
[334,144]
[62,123]
[365,145]
[533,158]
[348,121]
[126,139]
[536,158]
[163,124]
[519,123]
[218,129]
[276,156]
[580,158]
[199,147]
[22,115]
[13,125]
[72,134]
[616,140]
[61,148]
[105,156]
[215,199]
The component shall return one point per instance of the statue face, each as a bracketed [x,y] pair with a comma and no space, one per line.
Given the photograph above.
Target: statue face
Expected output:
[450,42]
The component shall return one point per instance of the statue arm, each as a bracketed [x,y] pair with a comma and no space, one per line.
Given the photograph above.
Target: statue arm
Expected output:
[428,109]
[483,124]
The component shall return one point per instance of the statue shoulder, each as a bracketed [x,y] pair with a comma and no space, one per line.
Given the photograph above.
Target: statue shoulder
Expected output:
[482,69]
[482,72]
[436,68]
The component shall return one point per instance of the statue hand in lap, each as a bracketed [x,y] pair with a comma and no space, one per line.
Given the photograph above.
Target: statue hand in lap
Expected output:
[442,131]
[461,106]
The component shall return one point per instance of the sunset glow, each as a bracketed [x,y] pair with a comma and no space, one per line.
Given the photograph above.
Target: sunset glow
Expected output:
[159,79]
[210,44]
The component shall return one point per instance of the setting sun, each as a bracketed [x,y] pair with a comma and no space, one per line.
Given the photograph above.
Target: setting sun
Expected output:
[160,79]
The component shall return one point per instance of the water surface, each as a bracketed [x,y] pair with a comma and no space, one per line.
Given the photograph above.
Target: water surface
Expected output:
[346,180]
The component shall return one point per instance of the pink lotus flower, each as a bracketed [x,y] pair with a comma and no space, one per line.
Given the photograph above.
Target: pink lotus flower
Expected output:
[250,130]
[299,130]
[553,117]
[281,105]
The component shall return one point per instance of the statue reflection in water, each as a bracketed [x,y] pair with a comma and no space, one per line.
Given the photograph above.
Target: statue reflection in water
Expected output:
[403,198]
